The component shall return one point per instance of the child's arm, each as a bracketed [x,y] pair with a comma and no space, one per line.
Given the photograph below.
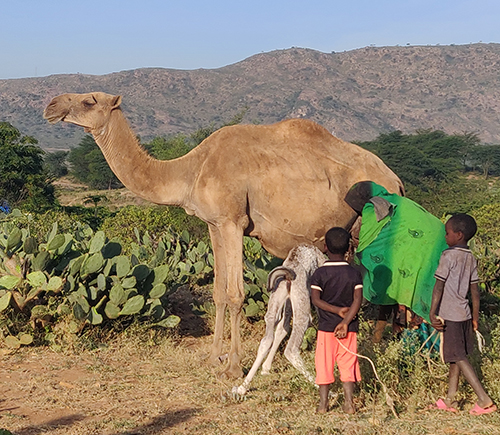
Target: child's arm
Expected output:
[342,327]
[437,294]
[325,306]
[474,295]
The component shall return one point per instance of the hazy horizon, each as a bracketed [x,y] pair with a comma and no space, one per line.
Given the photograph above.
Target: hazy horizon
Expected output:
[101,37]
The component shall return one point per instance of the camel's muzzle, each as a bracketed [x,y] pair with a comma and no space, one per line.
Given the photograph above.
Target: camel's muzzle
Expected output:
[53,112]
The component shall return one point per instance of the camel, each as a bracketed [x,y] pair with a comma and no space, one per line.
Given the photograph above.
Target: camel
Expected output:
[290,298]
[282,183]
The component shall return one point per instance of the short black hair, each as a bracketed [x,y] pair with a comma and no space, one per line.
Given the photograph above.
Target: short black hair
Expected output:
[337,240]
[463,223]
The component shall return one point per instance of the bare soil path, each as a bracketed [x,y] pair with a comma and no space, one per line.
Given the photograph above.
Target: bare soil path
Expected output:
[146,384]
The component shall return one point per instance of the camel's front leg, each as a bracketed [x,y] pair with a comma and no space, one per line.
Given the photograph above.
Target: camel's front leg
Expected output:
[219,295]
[227,241]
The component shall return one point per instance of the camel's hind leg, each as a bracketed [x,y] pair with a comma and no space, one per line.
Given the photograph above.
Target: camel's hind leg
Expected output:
[275,305]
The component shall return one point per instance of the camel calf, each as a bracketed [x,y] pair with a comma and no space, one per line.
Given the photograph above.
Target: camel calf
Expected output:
[290,296]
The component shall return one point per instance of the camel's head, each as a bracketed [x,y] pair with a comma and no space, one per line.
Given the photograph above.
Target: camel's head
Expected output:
[90,111]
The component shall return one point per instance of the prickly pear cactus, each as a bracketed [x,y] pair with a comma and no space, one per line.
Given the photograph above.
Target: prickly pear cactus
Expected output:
[86,276]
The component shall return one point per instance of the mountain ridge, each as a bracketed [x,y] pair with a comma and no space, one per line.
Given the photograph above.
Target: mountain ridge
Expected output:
[356,94]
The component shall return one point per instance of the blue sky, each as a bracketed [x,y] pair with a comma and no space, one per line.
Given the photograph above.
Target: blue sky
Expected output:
[44,37]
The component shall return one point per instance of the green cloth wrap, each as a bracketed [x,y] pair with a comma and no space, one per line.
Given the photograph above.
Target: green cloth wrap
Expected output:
[400,253]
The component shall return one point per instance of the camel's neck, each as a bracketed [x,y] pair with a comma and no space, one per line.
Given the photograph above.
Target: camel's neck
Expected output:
[161,182]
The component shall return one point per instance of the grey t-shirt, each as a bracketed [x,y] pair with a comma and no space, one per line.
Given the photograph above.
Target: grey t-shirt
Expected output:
[458,269]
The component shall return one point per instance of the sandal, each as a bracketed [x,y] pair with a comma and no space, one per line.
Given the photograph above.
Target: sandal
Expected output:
[441,405]
[477,410]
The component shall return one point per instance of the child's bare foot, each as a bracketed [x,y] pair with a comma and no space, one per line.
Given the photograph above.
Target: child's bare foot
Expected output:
[349,408]
[321,409]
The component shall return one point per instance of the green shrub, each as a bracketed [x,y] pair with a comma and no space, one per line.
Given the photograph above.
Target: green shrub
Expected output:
[486,247]
[155,220]
[456,194]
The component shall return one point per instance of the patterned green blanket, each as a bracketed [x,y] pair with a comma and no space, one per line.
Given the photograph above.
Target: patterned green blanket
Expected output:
[400,253]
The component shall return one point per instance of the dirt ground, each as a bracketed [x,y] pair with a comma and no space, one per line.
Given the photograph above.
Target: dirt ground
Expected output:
[149,382]
[71,193]
[145,383]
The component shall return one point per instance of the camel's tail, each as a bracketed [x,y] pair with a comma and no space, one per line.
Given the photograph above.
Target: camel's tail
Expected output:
[277,275]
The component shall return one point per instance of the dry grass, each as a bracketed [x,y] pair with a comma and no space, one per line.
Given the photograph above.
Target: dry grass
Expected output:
[144,383]
[71,193]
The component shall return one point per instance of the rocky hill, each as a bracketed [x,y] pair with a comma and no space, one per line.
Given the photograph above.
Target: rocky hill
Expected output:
[356,94]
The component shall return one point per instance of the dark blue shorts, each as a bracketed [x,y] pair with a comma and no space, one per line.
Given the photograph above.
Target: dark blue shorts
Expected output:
[458,340]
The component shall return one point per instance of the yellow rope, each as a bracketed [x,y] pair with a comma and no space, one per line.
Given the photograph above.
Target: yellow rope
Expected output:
[425,342]
[480,341]
[479,337]
[388,398]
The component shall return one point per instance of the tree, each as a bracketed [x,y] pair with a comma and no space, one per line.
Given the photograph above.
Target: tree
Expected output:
[23,179]
[169,148]
[180,144]
[95,200]
[487,159]
[408,161]
[89,166]
[55,164]
[424,156]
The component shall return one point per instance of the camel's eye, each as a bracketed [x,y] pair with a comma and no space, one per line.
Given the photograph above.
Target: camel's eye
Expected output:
[89,102]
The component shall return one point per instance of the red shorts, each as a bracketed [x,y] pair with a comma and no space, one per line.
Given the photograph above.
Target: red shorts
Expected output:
[329,352]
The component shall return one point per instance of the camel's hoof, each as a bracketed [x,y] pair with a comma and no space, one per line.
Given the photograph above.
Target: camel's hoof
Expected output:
[231,373]
[216,361]
[238,393]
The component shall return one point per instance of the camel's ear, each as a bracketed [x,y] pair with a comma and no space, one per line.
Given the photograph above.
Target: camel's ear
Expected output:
[116,101]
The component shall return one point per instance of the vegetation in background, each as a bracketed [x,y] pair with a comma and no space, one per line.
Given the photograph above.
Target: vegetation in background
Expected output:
[424,156]
[23,180]
[156,220]
[427,155]
[486,158]
[89,166]
[441,172]
[55,164]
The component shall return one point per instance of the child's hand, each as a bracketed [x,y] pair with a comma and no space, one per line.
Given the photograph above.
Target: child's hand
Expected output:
[343,311]
[475,324]
[436,322]
[341,330]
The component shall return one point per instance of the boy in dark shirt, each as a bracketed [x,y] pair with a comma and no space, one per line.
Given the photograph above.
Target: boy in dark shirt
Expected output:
[337,290]
[456,276]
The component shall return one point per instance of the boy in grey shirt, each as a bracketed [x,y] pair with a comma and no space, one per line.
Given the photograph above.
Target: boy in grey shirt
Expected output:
[450,311]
